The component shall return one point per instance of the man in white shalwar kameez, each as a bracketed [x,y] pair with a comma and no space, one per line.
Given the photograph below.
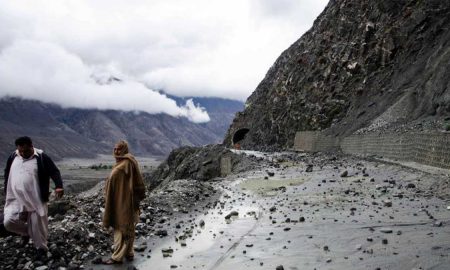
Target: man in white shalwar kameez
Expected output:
[27,191]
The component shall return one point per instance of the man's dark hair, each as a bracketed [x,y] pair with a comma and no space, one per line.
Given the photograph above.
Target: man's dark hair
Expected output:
[25,140]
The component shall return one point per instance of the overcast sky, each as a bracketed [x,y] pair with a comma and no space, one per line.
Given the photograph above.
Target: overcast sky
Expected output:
[64,51]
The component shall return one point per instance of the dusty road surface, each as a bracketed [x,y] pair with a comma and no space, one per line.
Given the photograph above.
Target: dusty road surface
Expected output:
[312,212]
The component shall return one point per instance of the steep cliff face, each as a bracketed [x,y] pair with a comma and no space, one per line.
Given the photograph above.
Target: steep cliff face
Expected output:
[363,64]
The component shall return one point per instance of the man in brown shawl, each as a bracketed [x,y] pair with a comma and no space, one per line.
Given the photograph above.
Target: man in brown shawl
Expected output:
[124,190]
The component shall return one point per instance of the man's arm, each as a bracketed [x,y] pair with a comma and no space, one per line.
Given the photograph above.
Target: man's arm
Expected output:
[5,177]
[54,174]
[7,169]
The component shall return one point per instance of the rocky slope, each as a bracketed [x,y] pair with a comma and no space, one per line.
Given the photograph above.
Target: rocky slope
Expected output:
[363,64]
[199,163]
[84,133]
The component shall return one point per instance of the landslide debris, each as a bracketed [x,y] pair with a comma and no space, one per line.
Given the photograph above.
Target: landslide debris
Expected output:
[199,163]
[76,236]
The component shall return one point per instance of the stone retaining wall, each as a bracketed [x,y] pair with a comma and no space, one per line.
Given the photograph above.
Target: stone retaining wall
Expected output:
[225,166]
[427,148]
[314,141]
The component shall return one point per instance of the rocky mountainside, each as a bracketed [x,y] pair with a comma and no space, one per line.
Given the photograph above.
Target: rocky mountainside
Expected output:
[364,65]
[85,133]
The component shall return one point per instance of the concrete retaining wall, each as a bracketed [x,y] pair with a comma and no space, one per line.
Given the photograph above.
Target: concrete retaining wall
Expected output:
[427,148]
[314,141]
[225,166]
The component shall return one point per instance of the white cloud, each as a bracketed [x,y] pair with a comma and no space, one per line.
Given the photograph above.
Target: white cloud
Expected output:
[50,49]
[66,80]
[196,114]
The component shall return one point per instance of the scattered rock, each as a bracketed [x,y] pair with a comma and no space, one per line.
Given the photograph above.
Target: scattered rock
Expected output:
[386,230]
[201,223]
[232,214]
[387,203]
[167,250]
[97,260]
[161,233]
[141,247]
[437,224]
[411,185]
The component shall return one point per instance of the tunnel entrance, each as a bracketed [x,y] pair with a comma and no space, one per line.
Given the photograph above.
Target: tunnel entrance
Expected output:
[238,137]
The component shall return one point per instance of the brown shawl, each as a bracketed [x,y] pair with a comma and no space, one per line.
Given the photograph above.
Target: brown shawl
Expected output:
[124,190]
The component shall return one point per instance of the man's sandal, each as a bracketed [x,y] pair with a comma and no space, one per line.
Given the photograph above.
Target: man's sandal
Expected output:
[111,261]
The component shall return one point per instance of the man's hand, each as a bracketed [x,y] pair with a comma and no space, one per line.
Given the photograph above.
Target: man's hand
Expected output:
[59,192]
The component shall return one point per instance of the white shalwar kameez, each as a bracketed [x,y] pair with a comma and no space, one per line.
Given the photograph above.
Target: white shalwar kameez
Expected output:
[25,213]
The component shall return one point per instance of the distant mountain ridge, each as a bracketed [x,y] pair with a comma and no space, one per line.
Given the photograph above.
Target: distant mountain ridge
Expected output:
[63,132]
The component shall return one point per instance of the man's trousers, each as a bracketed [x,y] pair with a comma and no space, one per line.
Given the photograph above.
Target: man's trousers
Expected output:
[29,224]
